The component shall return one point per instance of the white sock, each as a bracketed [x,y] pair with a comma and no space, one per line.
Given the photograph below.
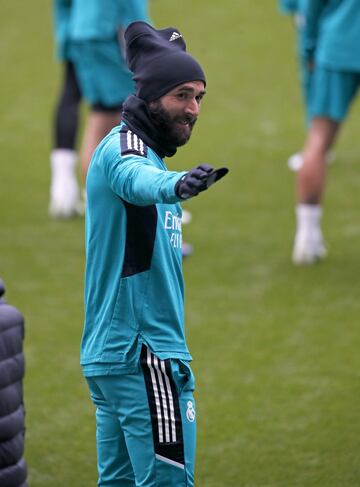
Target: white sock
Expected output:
[64,188]
[308,218]
[68,157]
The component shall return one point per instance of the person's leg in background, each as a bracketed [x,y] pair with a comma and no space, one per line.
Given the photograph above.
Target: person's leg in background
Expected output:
[105,82]
[331,95]
[309,245]
[101,120]
[109,81]
[64,189]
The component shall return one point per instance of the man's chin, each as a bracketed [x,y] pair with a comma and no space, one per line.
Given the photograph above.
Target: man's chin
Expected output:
[183,137]
[183,141]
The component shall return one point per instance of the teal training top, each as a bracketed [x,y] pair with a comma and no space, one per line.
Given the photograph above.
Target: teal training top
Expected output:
[332,30]
[133,284]
[61,19]
[296,8]
[288,6]
[83,20]
[102,19]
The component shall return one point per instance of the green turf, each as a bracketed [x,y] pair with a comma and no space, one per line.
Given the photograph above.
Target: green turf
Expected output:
[276,348]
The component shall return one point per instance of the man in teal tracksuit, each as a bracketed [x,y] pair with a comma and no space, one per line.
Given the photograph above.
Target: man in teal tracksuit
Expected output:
[331,43]
[133,352]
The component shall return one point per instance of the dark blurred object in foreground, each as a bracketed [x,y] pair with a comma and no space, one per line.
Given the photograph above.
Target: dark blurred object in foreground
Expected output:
[13,469]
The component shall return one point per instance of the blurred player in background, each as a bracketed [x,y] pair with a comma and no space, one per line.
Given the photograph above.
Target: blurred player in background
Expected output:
[105,81]
[331,42]
[296,8]
[92,32]
[133,352]
[64,189]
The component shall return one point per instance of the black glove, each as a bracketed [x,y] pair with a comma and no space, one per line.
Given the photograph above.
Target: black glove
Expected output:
[198,179]
[193,181]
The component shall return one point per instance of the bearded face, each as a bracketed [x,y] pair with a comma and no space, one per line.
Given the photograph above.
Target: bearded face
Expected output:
[176,128]
[175,113]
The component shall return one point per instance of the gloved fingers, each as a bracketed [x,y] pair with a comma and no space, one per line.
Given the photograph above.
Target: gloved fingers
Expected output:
[198,173]
[194,182]
[205,167]
[194,191]
[188,192]
[198,179]
[216,175]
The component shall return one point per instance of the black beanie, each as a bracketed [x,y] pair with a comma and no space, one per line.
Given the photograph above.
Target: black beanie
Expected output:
[159,60]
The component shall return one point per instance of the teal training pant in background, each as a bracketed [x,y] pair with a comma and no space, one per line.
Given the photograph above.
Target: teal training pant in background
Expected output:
[101,72]
[332,92]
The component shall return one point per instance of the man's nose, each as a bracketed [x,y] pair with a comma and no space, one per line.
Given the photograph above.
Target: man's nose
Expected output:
[192,108]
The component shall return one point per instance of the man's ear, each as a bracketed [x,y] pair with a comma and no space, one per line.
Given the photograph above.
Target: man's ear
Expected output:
[154,106]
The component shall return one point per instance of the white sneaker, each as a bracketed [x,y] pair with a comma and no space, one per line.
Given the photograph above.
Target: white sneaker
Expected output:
[64,189]
[308,248]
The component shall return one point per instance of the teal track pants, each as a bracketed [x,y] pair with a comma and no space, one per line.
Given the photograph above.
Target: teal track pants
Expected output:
[146,425]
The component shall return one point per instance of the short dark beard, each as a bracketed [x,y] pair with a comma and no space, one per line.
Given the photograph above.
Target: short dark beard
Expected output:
[167,126]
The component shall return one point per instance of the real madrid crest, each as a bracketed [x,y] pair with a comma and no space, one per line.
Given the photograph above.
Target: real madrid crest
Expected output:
[190,412]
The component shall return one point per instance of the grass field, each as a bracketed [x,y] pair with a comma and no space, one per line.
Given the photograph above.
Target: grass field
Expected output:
[276,348]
